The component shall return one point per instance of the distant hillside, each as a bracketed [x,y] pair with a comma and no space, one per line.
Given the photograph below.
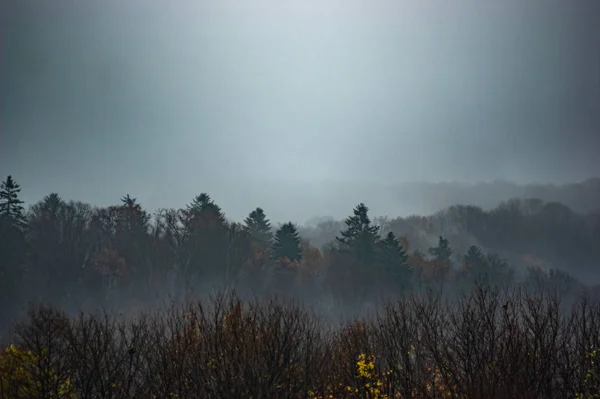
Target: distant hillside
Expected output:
[303,201]
[583,197]
[524,232]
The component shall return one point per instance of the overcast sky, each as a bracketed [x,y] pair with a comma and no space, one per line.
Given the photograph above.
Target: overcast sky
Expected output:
[164,100]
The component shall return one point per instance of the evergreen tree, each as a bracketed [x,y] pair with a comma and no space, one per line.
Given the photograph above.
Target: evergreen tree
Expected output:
[11,207]
[204,208]
[476,264]
[395,260]
[57,249]
[45,221]
[205,240]
[13,247]
[474,257]
[360,237]
[287,243]
[442,252]
[259,228]
[132,239]
[132,216]
[52,203]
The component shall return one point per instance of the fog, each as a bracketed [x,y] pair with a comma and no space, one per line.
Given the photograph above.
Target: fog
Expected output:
[301,107]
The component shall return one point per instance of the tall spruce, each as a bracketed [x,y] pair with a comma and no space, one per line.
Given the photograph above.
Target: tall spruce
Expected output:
[132,216]
[442,252]
[360,237]
[392,252]
[13,244]
[287,243]
[46,220]
[259,228]
[203,206]
[395,261]
[205,239]
[132,240]
[11,207]
[476,264]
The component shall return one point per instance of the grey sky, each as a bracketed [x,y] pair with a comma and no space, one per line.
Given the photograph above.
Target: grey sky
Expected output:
[165,100]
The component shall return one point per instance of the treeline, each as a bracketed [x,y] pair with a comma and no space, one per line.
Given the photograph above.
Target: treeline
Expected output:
[524,231]
[80,257]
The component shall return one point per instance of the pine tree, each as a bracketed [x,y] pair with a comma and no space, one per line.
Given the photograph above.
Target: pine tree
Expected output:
[395,260]
[259,228]
[132,215]
[204,207]
[442,252]
[132,238]
[360,237]
[11,207]
[46,219]
[52,203]
[392,251]
[287,243]
[476,265]
[205,241]
[13,244]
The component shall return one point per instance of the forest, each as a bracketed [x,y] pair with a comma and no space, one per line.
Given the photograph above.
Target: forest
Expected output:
[112,302]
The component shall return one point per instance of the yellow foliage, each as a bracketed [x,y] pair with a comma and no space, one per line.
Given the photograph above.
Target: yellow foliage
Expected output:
[366,371]
[370,386]
[21,375]
[592,380]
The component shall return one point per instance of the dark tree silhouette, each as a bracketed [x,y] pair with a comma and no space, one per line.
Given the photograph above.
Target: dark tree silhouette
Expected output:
[474,260]
[475,265]
[131,241]
[395,261]
[205,241]
[132,216]
[47,253]
[11,207]
[360,237]
[13,244]
[204,209]
[259,228]
[75,255]
[287,243]
[442,252]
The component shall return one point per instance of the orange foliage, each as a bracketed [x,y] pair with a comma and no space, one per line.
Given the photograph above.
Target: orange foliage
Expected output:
[258,259]
[311,256]
[109,262]
[428,270]
[259,255]
[312,263]
[435,270]
[404,242]
[417,263]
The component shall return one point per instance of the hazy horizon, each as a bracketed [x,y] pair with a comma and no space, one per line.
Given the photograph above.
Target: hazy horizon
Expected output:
[164,101]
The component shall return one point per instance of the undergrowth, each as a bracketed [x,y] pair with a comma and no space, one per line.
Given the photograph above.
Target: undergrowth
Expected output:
[485,345]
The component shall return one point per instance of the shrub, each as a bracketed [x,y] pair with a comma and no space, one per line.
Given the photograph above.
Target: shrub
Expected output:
[485,344]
